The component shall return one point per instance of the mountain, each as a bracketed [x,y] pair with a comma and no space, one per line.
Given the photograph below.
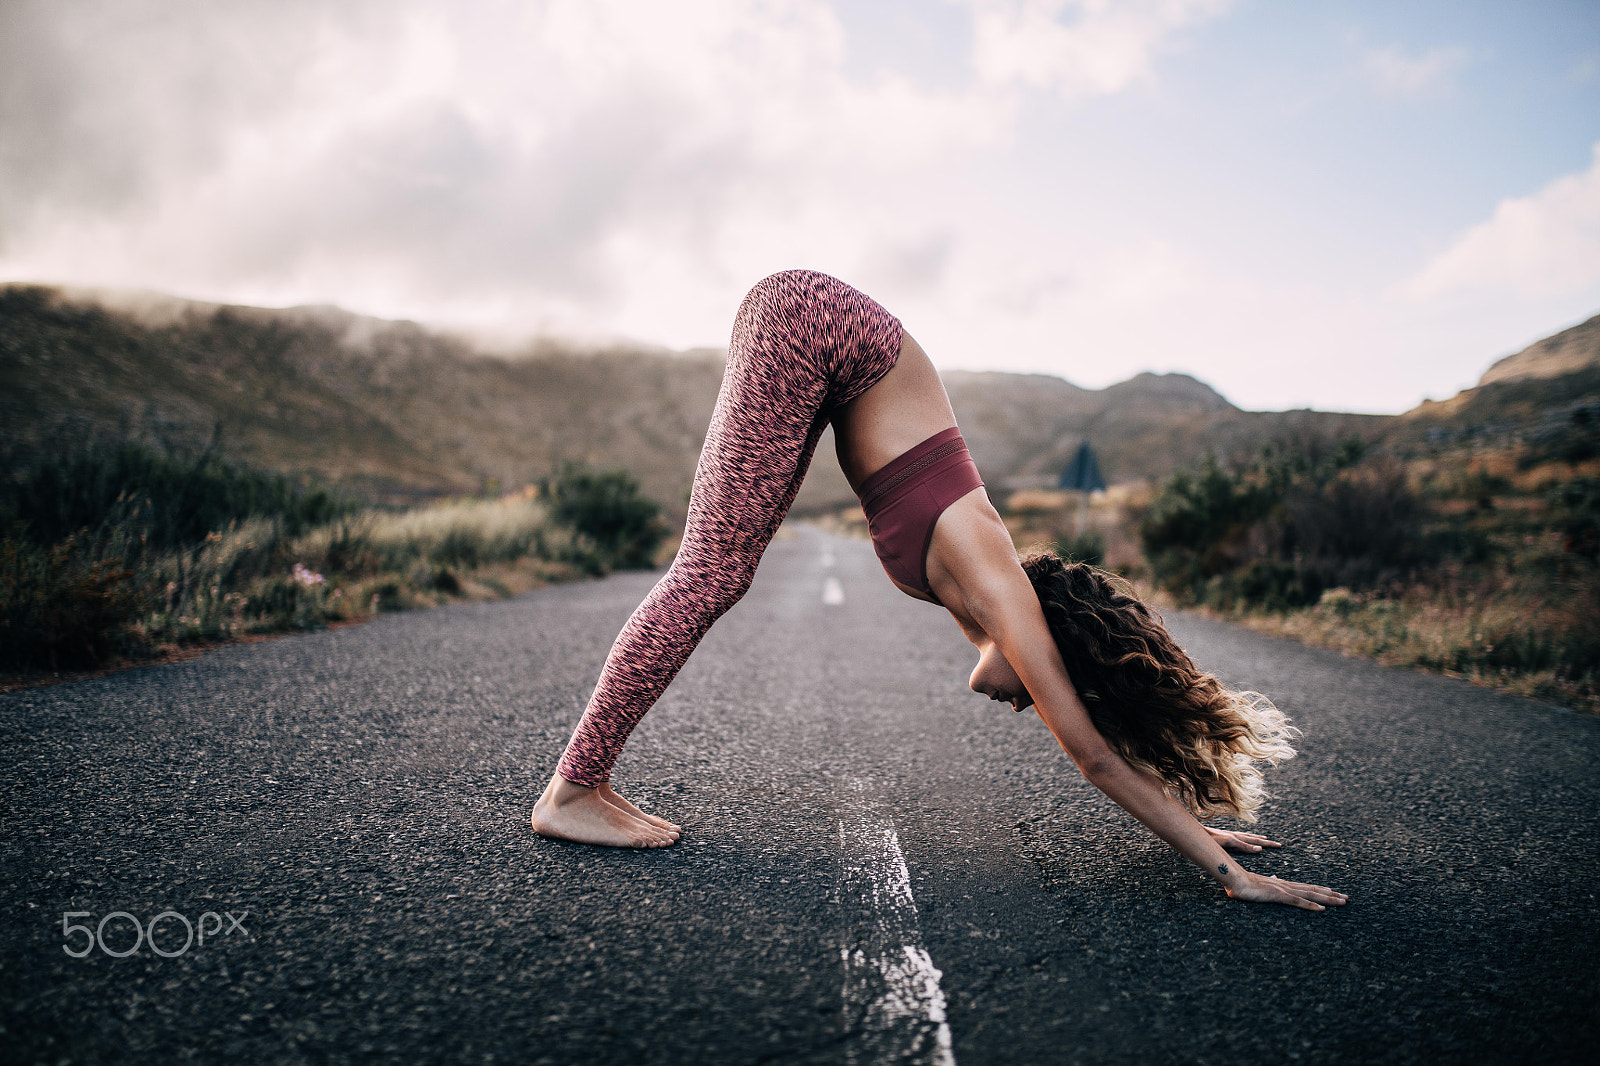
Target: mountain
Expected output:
[1025,428]
[397,411]
[1566,352]
[389,409]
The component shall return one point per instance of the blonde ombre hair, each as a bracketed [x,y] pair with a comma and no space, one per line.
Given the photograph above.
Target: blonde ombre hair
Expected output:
[1149,701]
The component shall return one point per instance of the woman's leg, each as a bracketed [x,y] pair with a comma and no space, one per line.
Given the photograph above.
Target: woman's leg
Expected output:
[794,334]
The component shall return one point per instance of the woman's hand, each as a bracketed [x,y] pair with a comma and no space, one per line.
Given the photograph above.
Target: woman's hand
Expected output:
[1247,843]
[1254,888]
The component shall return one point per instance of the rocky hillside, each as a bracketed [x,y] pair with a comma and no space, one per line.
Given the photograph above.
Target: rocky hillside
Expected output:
[1570,351]
[1024,428]
[397,411]
[388,409]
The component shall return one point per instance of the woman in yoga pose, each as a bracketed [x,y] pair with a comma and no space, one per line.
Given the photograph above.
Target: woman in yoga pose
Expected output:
[1162,739]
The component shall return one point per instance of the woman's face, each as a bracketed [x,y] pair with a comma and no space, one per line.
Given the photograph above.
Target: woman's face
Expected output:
[994,678]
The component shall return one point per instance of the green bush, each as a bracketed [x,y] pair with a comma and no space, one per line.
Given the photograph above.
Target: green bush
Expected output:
[60,606]
[1360,528]
[1277,532]
[1575,508]
[115,550]
[1274,585]
[606,508]
[159,499]
[1085,546]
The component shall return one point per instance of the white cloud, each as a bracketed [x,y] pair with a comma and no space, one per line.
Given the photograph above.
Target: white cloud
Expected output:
[580,165]
[1099,47]
[1396,73]
[1546,245]
[560,160]
[607,167]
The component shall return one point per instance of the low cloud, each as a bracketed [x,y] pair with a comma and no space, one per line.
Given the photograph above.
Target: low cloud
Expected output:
[615,168]
[1394,72]
[1546,245]
[469,159]
[1077,47]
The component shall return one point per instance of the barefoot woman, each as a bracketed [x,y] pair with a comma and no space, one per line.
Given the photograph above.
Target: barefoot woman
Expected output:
[1162,739]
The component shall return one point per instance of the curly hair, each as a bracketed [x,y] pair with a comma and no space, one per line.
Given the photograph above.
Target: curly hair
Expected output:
[1147,698]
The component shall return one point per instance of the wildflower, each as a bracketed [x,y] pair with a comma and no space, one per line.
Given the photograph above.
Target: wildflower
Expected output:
[308,578]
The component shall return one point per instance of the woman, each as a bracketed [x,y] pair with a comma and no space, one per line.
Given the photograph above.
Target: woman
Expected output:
[1143,725]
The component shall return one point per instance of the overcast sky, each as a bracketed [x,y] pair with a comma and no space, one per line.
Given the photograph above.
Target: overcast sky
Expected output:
[1336,204]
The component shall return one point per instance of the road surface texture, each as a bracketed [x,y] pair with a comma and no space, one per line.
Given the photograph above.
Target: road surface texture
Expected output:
[879,865]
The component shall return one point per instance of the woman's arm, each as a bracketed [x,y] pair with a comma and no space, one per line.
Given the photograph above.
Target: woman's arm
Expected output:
[1168,819]
[1000,600]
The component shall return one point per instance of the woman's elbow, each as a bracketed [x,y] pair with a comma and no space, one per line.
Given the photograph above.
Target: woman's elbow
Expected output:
[1098,765]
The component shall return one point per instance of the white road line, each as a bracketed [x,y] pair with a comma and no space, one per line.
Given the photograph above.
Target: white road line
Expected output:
[832,592]
[827,558]
[892,998]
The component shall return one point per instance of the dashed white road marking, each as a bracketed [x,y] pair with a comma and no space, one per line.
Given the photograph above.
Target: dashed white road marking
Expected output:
[832,592]
[892,997]
[827,558]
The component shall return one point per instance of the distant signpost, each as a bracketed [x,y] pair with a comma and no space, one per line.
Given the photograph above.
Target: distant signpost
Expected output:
[1082,475]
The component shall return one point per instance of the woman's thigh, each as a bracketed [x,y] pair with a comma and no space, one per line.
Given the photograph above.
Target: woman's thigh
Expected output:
[904,408]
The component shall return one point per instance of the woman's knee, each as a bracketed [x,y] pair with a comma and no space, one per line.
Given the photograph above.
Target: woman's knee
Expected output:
[728,588]
[706,587]
[776,293]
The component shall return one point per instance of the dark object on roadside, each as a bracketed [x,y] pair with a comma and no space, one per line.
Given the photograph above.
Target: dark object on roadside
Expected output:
[60,606]
[1083,473]
[607,508]
[1576,509]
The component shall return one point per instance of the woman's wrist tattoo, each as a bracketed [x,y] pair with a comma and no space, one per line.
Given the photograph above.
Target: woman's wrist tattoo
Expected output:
[1222,868]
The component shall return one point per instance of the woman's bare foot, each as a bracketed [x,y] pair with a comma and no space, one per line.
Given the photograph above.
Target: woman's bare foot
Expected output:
[617,801]
[571,812]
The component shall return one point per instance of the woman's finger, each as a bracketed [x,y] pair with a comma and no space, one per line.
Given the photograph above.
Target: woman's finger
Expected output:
[1314,888]
[1317,890]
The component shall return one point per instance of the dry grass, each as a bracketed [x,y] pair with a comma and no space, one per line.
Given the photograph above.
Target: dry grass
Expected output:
[1521,615]
[1049,518]
[251,579]
[1506,638]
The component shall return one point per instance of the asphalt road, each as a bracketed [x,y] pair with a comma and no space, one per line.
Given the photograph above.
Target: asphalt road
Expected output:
[879,866]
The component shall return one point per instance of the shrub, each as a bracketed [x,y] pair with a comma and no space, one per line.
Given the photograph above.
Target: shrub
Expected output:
[1359,529]
[1274,585]
[158,499]
[1276,533]
[161,550]
[1575,508]
[60,607]
[607,508]
[1085,546]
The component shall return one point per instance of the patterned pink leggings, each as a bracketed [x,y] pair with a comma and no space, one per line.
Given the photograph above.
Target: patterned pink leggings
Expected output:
[803,345]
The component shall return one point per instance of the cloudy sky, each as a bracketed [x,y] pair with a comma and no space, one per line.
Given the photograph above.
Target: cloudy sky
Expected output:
[1340,205]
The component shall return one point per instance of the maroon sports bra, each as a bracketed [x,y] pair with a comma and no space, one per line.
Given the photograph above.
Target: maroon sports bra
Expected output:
[904,500]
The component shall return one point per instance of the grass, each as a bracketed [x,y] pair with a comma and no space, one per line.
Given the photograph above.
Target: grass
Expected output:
[128,587]
[1472,562]
[1538,639]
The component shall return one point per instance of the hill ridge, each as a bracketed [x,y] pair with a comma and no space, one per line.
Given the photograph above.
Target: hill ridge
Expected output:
[1571,350]
[396,409]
